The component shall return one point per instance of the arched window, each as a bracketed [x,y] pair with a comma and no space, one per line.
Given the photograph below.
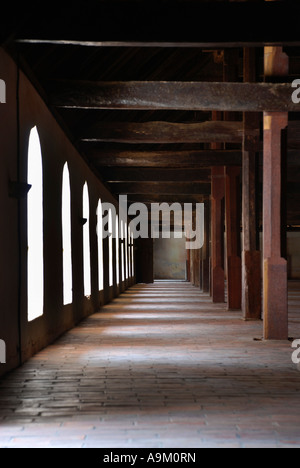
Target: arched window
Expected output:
[86,242]
[100,246]
[117,252]
[66,237]
[110,248]
[126,251]
[122,251]
[132,256]
[35,229]
[131,253]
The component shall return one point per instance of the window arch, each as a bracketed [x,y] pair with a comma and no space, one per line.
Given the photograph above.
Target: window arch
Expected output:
[131,253]
[110,248]
[126,251]
[132,256]
[35,229]
[67,237]
[122,251]
[117,251]
[100,246]
[86,242]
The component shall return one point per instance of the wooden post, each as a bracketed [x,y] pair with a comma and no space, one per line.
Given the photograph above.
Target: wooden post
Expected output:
[251,257]
[232,200]
[233,237]
[193,267]
[206,249]
[197,268]
[188,265]
[217,235]
[275,266]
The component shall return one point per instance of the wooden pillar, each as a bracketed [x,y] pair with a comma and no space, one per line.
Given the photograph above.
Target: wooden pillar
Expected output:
[233,237]
[232,199]
[217,233]
[206,249]
[217,277]
[192,266]
[188,265]
[251,257]
[275,266]
[201,269]
[197,268]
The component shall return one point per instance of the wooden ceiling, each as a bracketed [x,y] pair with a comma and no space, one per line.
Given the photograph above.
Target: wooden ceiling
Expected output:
[134,84]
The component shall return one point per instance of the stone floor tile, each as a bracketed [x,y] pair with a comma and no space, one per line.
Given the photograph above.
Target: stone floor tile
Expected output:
[159,367]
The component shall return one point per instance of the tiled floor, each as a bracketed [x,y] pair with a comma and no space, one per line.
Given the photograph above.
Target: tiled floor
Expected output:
[159,367]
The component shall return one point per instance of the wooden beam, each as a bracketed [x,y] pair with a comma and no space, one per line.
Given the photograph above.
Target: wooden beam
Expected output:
[181,159]
[135,174]
[163,188]
[160,198]
[197,96]
[162,24]
[175,159]
[165,132]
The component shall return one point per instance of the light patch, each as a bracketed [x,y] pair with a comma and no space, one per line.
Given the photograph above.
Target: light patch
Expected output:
[267,122]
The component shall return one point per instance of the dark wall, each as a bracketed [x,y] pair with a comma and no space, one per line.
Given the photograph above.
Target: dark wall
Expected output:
[15,330]
[144,261]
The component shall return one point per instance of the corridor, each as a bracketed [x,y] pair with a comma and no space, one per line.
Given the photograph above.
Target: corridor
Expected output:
[160,366]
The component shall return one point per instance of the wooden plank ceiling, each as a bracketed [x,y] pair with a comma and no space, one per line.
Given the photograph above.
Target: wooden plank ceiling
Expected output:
[134,84]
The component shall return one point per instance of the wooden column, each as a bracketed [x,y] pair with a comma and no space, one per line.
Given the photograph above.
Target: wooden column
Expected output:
[275,266]
[233,237]
[197,268]
[188,265]
[217,277]
[201,269]
[251,257]
[192,266]
[206,249]
[217,233]
[232,200]
[196,261]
